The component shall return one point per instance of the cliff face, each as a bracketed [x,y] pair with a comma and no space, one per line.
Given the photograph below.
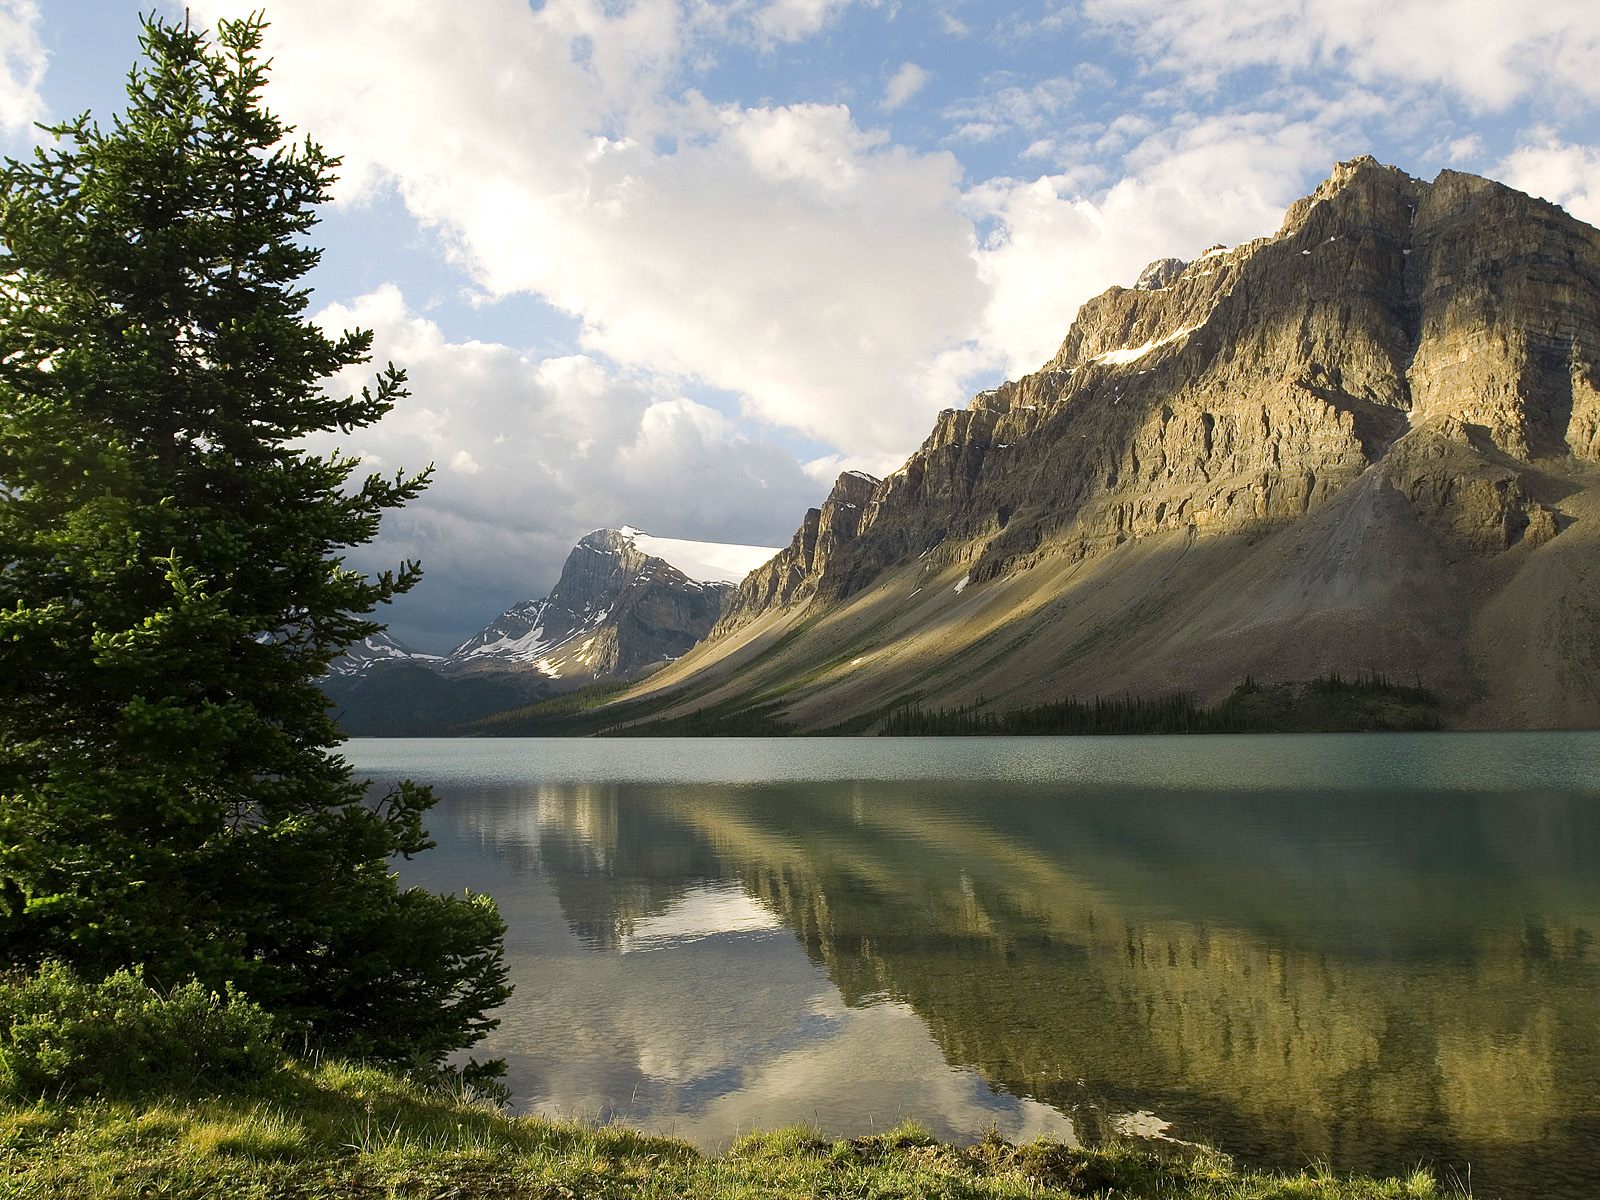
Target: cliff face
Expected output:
[1394,398]
[792,576]
[1252,384]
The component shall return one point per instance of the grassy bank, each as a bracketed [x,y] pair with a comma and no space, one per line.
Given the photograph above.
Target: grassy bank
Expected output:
[337,1132]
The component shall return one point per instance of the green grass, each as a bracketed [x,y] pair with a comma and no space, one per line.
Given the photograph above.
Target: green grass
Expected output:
[340,1132]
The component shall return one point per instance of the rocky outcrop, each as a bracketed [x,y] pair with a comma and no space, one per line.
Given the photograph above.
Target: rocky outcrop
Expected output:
[792,576]
[1437,344]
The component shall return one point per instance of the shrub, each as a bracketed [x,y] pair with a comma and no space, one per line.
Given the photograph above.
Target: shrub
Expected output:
[61,1035]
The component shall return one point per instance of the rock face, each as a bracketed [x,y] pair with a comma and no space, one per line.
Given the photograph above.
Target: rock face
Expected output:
[1380,425]
[616,612]
[793,574]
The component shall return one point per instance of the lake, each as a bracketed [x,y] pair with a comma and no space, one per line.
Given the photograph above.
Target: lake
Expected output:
[1364,950]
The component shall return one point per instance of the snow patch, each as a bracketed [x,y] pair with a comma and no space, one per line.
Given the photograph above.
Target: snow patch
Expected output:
[1119,357]
[962,586]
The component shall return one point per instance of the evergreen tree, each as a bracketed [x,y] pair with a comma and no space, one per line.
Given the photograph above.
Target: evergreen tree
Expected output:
[171,585]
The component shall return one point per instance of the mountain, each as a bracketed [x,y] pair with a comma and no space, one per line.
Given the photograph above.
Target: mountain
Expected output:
[625,603]
[379,648]
[1369,442]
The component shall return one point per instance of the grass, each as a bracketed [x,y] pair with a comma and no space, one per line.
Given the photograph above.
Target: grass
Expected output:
[341,1132]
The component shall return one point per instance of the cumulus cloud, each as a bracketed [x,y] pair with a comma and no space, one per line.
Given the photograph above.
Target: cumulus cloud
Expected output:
[780,252]
[904,84]
[531,454]
[1559,172]
[1564,174]
[837,283]
[1473,47]
[791,20]
[22,65]
[841,285]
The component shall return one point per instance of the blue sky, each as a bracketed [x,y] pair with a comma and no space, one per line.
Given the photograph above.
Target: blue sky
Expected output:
[675,263]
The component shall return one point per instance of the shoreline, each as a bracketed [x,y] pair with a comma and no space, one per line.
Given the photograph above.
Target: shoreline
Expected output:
[336,1131]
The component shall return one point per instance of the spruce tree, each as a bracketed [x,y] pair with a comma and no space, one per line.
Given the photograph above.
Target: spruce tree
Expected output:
[172,586]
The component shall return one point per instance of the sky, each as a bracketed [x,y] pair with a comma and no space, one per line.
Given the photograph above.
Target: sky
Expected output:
[677,263]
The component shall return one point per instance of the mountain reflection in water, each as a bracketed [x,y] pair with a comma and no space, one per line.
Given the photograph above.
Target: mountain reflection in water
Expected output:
[1294,969]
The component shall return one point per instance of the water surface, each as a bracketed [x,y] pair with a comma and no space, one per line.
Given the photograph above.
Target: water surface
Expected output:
[1371,951]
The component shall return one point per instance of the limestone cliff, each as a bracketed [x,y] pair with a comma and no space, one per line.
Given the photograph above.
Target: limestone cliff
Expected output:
[792,576]
[1365,441]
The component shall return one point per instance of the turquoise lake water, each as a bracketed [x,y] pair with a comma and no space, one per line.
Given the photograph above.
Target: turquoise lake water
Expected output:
[1365,950]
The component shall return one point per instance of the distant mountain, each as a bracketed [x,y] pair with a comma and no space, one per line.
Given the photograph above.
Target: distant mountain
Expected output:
[1369,442]
[626,602]
[379,648]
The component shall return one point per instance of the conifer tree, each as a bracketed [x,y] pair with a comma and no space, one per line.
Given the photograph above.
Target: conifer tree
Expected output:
[172,586]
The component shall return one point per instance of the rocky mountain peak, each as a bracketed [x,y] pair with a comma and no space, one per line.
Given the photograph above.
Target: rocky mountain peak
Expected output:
[1371,184]
[614,610]
[1160,273]
[378,648]
[617,611]
[1420,361]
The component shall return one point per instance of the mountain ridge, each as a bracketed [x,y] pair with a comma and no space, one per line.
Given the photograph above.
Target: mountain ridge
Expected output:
[1368,441]
[615,612]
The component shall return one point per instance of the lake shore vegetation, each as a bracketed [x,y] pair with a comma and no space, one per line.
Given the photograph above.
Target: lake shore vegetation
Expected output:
[1365,703]
[290,1129]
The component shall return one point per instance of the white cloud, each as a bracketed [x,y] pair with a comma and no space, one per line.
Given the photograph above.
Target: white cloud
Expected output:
[22,65]
[792,20]
[904,84]
[827,468]
[1051,248]
[1564,174]
[1008,107]
[1464,149]
[1478,49]
[841,285]
[779,252]
[537,452]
